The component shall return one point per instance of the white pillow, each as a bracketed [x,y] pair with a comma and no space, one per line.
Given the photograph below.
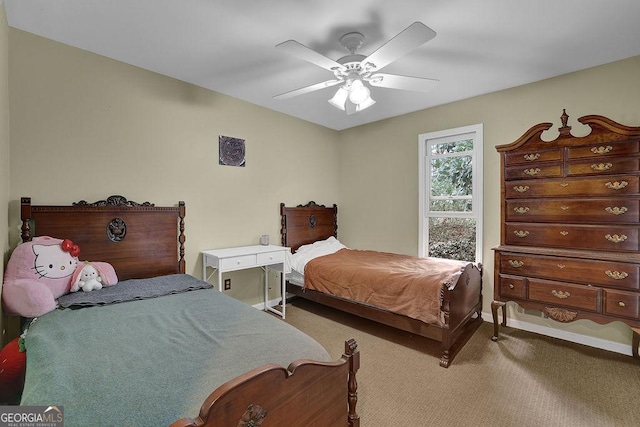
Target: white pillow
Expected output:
[306,253]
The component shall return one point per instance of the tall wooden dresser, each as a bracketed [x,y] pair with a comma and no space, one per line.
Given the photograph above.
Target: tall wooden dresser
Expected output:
[570,223]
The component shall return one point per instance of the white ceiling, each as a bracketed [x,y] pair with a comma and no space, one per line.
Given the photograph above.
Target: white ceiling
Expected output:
[229,45]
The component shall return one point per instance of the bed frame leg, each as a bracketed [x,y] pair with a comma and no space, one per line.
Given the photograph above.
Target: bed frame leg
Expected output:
[351,350]
[494,312]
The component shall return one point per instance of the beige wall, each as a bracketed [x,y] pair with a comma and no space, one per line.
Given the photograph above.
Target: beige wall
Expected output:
[4,155]
[381,193]
[86,127]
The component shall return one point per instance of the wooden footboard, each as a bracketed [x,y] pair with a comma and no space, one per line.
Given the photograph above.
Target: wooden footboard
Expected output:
[462,311]
[307,393]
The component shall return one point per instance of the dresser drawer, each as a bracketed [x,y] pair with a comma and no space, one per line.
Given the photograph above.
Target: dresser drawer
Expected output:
[242,261]
[581,297]
[604,166]
[598,151]
[270,258]
[615,211]
[593,187]
[617,274]
[526,157]
[606,237]
[533,171]
[513,287]
[620,303]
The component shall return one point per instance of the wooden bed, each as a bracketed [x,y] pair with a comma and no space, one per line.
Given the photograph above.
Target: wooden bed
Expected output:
[145,241]
[460,305]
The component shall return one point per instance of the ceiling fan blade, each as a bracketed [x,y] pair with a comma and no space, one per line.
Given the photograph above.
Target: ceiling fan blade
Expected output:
[413,36]
[393,81]
[307,89]
[303,52]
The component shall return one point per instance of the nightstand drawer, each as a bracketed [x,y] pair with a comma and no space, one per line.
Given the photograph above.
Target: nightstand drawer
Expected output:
[512,287]
[612,211]
[270,258]
[242,261]
[564,294]
[603,237]
[525,157]
[620,303]
[616,186]
[532,171]
[603,150]
[586,271]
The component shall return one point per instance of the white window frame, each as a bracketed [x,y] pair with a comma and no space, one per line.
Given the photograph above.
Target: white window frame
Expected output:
[424,185]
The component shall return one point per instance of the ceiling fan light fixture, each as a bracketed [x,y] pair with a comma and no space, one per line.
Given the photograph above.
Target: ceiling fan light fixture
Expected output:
[358,93]
[365,104]
[339,98]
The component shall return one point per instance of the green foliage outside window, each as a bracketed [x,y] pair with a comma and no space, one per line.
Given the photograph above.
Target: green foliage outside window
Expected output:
[451,191]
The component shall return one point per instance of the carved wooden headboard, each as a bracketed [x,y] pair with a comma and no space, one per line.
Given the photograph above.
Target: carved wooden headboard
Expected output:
[308,223]
[139,239]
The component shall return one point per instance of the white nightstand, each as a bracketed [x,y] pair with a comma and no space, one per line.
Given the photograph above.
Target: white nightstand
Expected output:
[240,258]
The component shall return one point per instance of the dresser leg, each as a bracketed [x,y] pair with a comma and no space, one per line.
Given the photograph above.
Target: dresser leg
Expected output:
[494,312]
[635,342]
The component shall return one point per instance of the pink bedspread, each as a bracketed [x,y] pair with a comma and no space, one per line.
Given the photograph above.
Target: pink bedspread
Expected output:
[399,283]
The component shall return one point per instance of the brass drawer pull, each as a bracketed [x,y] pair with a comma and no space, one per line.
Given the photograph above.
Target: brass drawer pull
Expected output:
[531,157]
[521,209]
[511,286]
[616,275]
[561,266]
[560,294]
[601,150]
[564,184]
[515,263]
[616,185]
[616,210]
[521,233]
[521,188]
[621,304]
[616,238]
[564,233]
[600,167]
[564,208]
[532,171]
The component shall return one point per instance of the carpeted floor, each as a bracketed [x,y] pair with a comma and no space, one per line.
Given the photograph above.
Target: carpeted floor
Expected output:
[524,379]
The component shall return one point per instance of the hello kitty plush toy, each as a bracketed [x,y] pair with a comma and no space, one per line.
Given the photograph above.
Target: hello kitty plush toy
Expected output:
[37,274]
[44,269]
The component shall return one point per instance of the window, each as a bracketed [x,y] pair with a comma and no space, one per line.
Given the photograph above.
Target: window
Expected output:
[450,187]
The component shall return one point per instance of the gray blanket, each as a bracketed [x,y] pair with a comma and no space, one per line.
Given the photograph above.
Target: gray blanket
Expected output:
[152,361]
[134,289]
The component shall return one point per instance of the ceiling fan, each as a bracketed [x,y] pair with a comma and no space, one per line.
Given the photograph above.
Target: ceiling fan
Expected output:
[354,70]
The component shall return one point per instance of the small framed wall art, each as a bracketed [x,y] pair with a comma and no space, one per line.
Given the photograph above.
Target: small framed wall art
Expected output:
[231,151]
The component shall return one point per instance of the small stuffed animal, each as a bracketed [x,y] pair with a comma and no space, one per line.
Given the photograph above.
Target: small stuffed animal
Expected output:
[88,279]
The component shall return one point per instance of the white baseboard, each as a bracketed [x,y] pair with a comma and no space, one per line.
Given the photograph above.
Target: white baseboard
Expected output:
[271,303]
[616,347]
[600,343]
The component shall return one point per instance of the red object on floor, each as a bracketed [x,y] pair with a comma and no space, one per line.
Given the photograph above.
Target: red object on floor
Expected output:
[13,365]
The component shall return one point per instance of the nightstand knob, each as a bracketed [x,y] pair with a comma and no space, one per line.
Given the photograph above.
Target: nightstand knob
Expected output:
[622,304]
[238,262]
[511,286]
[560,294]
